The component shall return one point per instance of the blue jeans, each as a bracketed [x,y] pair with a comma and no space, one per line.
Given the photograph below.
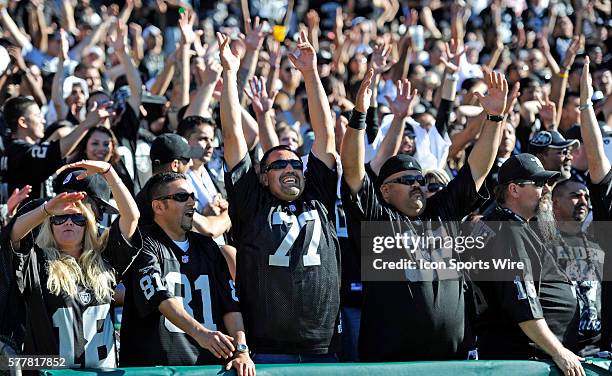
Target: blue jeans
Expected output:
[294,358]
[351,319]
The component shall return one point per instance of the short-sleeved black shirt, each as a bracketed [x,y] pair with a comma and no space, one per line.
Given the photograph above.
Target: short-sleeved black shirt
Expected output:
[199,278]
[288,262]
[539,291]
[32,164]
[416,320]
[80,328]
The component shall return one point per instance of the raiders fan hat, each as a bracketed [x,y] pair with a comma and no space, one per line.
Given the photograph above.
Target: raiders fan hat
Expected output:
[169,146]
[524,167]
[95,186]
[395,164]
[549,140]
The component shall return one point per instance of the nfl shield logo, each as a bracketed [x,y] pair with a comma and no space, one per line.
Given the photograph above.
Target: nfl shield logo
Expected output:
[185,259]
[84,297]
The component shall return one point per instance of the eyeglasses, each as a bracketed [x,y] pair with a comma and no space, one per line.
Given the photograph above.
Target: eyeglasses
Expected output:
[179,197]
[77,219]
[435,187]
[409,180]
[281,164]
[565,152]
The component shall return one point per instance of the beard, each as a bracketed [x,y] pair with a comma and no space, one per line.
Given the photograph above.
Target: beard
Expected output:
[545,219]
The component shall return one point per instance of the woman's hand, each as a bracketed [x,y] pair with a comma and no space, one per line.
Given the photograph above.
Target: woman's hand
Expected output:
[64,203]
[91,168]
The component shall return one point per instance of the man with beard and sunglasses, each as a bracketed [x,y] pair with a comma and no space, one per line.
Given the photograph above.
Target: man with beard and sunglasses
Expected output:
[288,274]
[415,306]
[580,257]
[180,296]
[524,310]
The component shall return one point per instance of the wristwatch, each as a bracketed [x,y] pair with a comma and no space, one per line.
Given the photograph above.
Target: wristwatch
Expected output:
[495,118]
[242,348]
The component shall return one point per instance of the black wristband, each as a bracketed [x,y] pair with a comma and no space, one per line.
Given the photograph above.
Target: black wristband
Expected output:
[358,120]
[496,118]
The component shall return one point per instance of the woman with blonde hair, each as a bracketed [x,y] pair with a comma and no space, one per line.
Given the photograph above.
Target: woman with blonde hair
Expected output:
[436,180]
[67,275]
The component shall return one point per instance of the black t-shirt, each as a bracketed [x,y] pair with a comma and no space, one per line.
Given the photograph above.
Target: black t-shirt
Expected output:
[416,319]
[199,278]
[80,328]
[601,201]
[582,260]
[32,164]
[143,201]
[538,291]
[288,262]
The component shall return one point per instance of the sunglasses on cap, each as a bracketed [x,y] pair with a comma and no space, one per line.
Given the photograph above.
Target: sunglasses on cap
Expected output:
[179,197]
[435,187]
[281,164]
[77,219]
[409,180]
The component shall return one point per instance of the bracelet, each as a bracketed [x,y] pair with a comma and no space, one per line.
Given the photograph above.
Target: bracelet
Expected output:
[44,206]
[585,106]
[496,118]
[107,170]
[563,75]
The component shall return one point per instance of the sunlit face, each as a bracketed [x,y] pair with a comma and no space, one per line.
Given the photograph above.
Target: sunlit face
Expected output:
[68,235]
[408,144]
[287,183]
[571,112]
[173,213]
[35,122]
[76,97]
[290,138]
[558,160]
[572,203]
[508,140]
[289,75]
[204,137]
[408,199]
[99,147]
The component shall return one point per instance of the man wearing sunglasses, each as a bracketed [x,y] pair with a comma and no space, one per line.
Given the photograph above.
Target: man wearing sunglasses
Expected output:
[180,290]
[530,304]
[288,274]
[554,151]
[411,307]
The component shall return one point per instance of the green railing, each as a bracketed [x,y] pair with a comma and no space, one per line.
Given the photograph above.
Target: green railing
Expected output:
[463,368]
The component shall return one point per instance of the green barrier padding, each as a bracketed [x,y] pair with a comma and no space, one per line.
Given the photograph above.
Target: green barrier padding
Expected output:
[592,367]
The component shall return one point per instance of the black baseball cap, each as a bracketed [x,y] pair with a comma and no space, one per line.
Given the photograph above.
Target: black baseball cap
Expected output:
[524,167]
[395,164]
[95,186]
[169,146]
[549,140]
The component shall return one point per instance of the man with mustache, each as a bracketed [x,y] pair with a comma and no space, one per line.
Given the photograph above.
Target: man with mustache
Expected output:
[413,318]
[580,258]
[180,297]
[288,265]
[526,310]
[554,151]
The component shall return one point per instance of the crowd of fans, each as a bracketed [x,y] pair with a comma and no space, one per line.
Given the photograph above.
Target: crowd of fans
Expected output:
[207,167]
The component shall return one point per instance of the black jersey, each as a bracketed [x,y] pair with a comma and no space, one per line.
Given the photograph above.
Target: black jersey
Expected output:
[288,262]
[199,278]
[541,290]
[427,318]
[80,328]
[32,164]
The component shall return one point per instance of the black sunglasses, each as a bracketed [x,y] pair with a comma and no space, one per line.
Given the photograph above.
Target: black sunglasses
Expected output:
[538,184]
[409,180]
[77,219]
[435,187]
[281,164]
[180,197]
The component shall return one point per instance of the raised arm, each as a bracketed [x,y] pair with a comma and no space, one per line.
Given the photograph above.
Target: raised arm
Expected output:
[163,79]
[559,81]
[133,76]
[598,163]
[494,103]
[209,73]
[128,210]
[262,105]
[233,137]
[253,40]
[68,22]
[305,60]
[57,90]
[96,115]
[9,25]
[401,107]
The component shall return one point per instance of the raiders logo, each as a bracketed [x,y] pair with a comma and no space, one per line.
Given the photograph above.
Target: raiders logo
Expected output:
[537,161]
[67,179]
[85,297]
[541,139]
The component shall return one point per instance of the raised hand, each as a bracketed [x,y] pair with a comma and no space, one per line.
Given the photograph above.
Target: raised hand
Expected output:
[274,51]
[362,102]
[254,34]
[64,203]
[453,57]
[186,21]
[379,59]
[135,28]
[586,82]
[571,52]
[312,19]
[17,56]
[98,114]
[513,97]
[305,57]
[401,106]
[212,71]
[494,103]
[120,42]
[64,45]
[229,60]
[90,167]
[16,198]
[258,95]
[548,111]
